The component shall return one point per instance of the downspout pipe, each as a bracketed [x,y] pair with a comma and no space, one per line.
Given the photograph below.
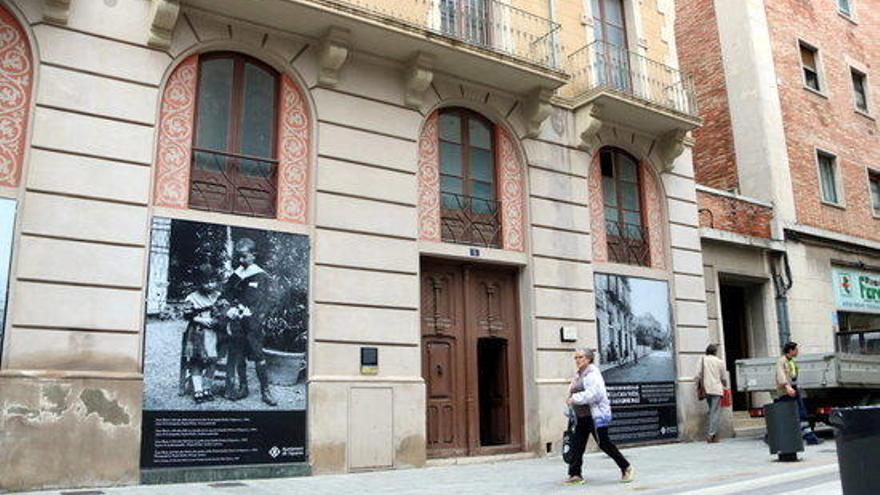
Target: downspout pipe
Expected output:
[782,283]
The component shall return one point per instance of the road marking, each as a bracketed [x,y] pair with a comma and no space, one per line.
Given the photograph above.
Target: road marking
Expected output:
[773,479]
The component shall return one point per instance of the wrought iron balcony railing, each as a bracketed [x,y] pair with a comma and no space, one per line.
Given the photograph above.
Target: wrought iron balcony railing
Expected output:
[469,220]
[627,243]
[232,183]
[602,66]
[487,24]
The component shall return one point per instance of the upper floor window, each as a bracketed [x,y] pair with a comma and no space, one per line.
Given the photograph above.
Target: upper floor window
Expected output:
[625,231]
[810,65]
[469,210]
[234,153]
[843,6]
[874,182]
[828,177]
[860,89]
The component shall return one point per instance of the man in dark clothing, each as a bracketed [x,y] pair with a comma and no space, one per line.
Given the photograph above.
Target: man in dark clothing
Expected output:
[247,292]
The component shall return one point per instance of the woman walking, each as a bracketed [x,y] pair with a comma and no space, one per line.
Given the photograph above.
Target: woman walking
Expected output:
[588,389]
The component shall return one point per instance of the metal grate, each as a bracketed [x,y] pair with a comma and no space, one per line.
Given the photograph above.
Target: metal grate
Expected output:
[627,243]
[227,484]
[470,220]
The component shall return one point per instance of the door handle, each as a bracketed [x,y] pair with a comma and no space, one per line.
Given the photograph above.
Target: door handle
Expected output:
[439,370]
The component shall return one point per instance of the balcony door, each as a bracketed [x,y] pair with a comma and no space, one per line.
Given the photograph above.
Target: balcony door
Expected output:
[467,20]
[470,212]
[621,194]
[611,63]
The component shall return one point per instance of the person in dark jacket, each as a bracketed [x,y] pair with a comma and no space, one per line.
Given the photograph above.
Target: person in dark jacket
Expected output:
[247,291]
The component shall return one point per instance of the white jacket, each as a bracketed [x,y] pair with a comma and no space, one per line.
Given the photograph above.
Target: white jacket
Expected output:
[595,396]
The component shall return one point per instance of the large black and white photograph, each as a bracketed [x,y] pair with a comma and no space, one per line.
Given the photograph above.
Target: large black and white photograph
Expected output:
[635,338]
[636,356]
[7,227]
[226,331]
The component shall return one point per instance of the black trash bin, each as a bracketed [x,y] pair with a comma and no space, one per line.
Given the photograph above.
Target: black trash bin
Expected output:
[784,430]
[858,448]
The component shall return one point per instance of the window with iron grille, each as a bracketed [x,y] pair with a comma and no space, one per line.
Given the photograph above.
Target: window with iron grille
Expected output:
[234,157]
[828,177]
[470,213]
[622,198]
[859,90]
[810,65]
[874,181]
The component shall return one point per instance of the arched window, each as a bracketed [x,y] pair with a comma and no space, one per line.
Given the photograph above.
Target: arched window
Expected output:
[626,234]
[469,208]
[234,156]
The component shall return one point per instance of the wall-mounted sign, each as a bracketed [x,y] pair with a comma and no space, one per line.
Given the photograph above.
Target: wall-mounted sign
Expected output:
[7,225]
[856,290]
[369,361]
[224,346]
[637,357]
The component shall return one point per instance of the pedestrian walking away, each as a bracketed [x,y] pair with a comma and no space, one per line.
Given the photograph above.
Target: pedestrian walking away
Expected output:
[591,410]
[787,389]
[713,377]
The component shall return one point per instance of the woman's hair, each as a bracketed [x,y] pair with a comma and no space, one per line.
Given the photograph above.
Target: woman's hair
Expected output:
[588,353]
[712,349]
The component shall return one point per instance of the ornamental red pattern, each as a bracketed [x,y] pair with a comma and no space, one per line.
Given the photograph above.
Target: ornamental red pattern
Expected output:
[654,215]
[510,175]
[429,181]
[294,154]
[175,136]
[597,213]
[16,82]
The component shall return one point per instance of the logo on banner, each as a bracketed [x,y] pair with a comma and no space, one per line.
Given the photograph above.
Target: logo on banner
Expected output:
[845,283]
[274,452]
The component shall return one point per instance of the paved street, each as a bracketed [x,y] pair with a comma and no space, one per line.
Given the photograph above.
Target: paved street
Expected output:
[737,466]
[654,367]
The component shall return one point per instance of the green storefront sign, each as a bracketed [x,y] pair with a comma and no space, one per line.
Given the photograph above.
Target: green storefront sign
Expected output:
[856,290]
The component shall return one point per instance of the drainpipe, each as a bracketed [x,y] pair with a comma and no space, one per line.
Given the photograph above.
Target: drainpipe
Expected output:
[782,283]
[554,41]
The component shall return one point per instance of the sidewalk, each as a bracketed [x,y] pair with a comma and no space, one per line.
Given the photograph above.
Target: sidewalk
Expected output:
[733,466]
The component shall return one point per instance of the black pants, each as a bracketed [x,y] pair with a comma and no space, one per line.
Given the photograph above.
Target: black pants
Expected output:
[579,444]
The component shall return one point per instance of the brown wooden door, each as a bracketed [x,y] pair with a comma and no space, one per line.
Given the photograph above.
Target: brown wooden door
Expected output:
[471,359]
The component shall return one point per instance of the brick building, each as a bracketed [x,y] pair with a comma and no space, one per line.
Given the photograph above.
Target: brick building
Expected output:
[787,171]
[273,237]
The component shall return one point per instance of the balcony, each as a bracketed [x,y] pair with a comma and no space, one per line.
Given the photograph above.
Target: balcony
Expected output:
[632,90]
[469,220]
[482,40]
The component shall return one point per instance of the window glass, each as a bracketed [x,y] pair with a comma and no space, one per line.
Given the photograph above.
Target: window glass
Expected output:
[609,191]
[482,190]
[627,169]
[214,103]
[481,164]
[844,7]
[629,195]
[258,113]
[480,135]
[827,178]
[810,67]
[450,127]
[450,159]
[451,185]
[613,12]
[875,193]
[861,97]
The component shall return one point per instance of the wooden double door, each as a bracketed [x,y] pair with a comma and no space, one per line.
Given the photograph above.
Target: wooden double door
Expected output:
[471,359]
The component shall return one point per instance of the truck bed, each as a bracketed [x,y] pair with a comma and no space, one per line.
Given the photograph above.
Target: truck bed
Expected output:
[816,371]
